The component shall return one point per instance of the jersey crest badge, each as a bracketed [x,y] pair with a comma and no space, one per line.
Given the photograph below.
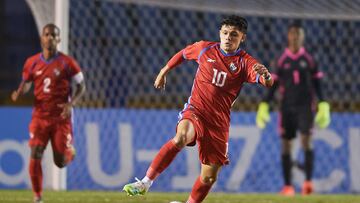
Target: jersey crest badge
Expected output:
[303,64]
[56,72]
[232,67]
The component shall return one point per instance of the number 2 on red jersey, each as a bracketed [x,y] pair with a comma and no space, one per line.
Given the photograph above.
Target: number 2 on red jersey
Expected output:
[47,82]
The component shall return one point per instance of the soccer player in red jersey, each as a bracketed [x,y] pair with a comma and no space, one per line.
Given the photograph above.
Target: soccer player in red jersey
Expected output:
[298,78]
[51,72]
[205,119]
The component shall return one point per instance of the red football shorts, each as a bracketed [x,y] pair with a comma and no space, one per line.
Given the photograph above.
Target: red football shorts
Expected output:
[58,131]
[212,150]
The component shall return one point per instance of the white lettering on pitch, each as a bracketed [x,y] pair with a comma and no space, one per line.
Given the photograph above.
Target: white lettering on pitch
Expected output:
[193,170]
[51,173]
[125,156]
[23,150]
[146,155]
[354,159]
[336,176]
[251,135]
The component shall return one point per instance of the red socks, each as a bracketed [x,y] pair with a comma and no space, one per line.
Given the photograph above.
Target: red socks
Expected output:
[35,172]
[199,191]
[162,160]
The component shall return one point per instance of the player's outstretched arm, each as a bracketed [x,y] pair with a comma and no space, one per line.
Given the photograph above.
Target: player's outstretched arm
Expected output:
[23,88]
[264,72]
[160,80]
[80,90]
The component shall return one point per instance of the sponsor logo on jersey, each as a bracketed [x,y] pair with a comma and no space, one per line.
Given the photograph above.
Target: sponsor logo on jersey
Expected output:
[211,60]
[232,67]
[39,72]
[56,72]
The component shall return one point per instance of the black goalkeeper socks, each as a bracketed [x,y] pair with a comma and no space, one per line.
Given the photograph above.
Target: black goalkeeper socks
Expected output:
[286,166]
[309,163]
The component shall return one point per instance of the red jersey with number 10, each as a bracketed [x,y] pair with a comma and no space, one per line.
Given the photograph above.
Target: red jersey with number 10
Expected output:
[52,82]
[218,80]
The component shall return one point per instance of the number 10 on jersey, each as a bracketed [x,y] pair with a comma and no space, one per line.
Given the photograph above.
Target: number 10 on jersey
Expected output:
[219,78]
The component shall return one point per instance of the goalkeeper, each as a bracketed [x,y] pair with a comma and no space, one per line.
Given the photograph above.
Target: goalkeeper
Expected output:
[298,78]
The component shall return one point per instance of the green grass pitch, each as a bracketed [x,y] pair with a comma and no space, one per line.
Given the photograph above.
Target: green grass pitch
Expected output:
[25,196]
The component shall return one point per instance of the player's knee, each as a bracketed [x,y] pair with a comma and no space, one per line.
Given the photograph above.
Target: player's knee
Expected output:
[286,146]
[37,152]
[286,150]
[181,138]
[209,179]
[306,143]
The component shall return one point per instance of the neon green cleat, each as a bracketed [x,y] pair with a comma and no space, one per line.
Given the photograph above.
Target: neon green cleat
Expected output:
[136,188]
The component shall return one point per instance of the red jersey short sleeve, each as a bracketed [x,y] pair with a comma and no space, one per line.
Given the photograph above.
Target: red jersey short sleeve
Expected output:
[193,51]
[252,76]
[27,74]
[74,67]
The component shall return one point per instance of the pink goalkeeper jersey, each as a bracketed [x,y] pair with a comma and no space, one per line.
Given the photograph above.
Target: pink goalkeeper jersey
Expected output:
[218,80]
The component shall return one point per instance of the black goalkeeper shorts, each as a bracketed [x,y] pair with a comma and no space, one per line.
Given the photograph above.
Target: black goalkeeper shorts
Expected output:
[293,119]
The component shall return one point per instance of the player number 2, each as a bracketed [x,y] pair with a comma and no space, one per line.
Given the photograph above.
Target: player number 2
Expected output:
[219,78]
[47,82]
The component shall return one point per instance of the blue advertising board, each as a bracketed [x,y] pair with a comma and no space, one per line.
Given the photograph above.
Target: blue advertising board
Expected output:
[116,145]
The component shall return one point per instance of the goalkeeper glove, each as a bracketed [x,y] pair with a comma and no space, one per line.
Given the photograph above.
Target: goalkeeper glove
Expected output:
[322,117]
[262,116]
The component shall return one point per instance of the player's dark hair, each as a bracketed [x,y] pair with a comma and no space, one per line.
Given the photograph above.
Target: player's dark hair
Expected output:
[295,24]
[53,26]
[239,22]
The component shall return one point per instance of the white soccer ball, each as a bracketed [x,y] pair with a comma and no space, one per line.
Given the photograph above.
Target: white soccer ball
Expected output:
[175,202]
